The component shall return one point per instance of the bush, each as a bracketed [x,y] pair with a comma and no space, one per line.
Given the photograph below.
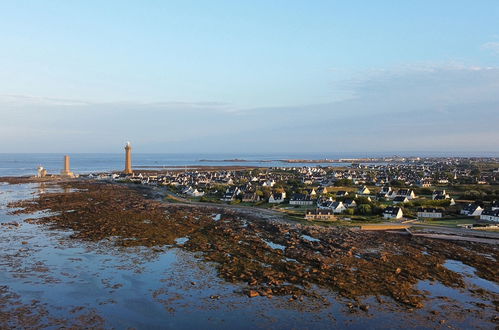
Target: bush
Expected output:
[349,212]
[364,209]
[343,183]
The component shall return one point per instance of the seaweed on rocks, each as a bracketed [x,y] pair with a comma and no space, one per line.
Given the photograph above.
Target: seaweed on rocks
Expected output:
[270,258]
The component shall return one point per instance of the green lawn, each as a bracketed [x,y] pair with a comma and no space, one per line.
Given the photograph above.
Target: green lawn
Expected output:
[451,222]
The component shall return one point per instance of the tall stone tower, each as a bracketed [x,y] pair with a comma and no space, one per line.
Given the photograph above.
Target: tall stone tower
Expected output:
[128,158]
[67,169]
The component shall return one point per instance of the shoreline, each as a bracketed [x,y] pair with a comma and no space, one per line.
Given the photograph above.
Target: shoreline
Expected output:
[265,258]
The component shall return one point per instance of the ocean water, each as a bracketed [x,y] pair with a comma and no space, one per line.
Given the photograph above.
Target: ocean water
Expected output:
[27,164]
[20,164]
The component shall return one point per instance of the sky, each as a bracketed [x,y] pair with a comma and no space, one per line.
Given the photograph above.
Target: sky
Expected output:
[249,76]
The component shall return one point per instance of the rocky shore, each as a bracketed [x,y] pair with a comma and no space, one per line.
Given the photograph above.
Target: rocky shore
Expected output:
[270,258]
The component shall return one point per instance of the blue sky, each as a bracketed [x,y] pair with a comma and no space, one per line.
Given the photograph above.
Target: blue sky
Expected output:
[249,76]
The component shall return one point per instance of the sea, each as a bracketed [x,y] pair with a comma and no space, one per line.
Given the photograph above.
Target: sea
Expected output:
[26,164]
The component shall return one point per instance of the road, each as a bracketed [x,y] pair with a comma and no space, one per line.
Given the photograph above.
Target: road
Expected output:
[431,231]
[455,231]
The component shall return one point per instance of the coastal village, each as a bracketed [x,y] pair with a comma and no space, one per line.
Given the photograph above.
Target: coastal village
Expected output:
[456,191]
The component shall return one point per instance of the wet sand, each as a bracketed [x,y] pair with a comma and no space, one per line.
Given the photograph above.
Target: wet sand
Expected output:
[105,255]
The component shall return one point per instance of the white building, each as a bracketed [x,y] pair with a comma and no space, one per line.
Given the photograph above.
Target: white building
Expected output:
[472,210]
[393,212]
[429,213]
[363,191]
[301,199]
[490,214]
[277,198]
[409,193]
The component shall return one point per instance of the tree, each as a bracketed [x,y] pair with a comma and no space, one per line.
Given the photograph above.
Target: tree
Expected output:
[364,209]
[397,183]
[349,211]
[343,183]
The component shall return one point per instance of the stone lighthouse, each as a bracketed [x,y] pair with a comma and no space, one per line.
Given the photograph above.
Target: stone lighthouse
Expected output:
[67,169]
[128,158]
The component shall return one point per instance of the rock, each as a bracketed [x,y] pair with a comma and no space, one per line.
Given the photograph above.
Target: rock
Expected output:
[253,293]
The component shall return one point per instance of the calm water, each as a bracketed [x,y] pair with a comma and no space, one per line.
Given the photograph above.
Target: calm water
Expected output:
[26,164]
[144,288]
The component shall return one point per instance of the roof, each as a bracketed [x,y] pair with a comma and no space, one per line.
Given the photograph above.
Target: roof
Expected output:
[471,207]
[277,196]
[391,210]
[489,211]
[300,197]
[404,192]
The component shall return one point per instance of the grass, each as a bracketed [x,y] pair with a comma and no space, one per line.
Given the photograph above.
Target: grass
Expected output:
[172,199]
[451,222]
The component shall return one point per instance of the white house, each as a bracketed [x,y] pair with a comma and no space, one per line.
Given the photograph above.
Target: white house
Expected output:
[385,190]
[472,210]
[393,212]
[391,194]
[425,183]
[231,194]
[400,199]
[319,215]
[312,192]
[277,198]
[429,212]
[409,193]
[268,183]
[363,191]
[301,199]
[337,207]
[490,214]
[342,193]
[349,203]
[439,195]
[187,190]
[196,193]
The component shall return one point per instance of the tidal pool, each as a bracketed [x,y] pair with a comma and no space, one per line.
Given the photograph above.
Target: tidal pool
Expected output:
[60,281]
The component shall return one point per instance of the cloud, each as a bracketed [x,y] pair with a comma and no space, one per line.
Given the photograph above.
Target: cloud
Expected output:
[492,46]
[434,107]
[27,100]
